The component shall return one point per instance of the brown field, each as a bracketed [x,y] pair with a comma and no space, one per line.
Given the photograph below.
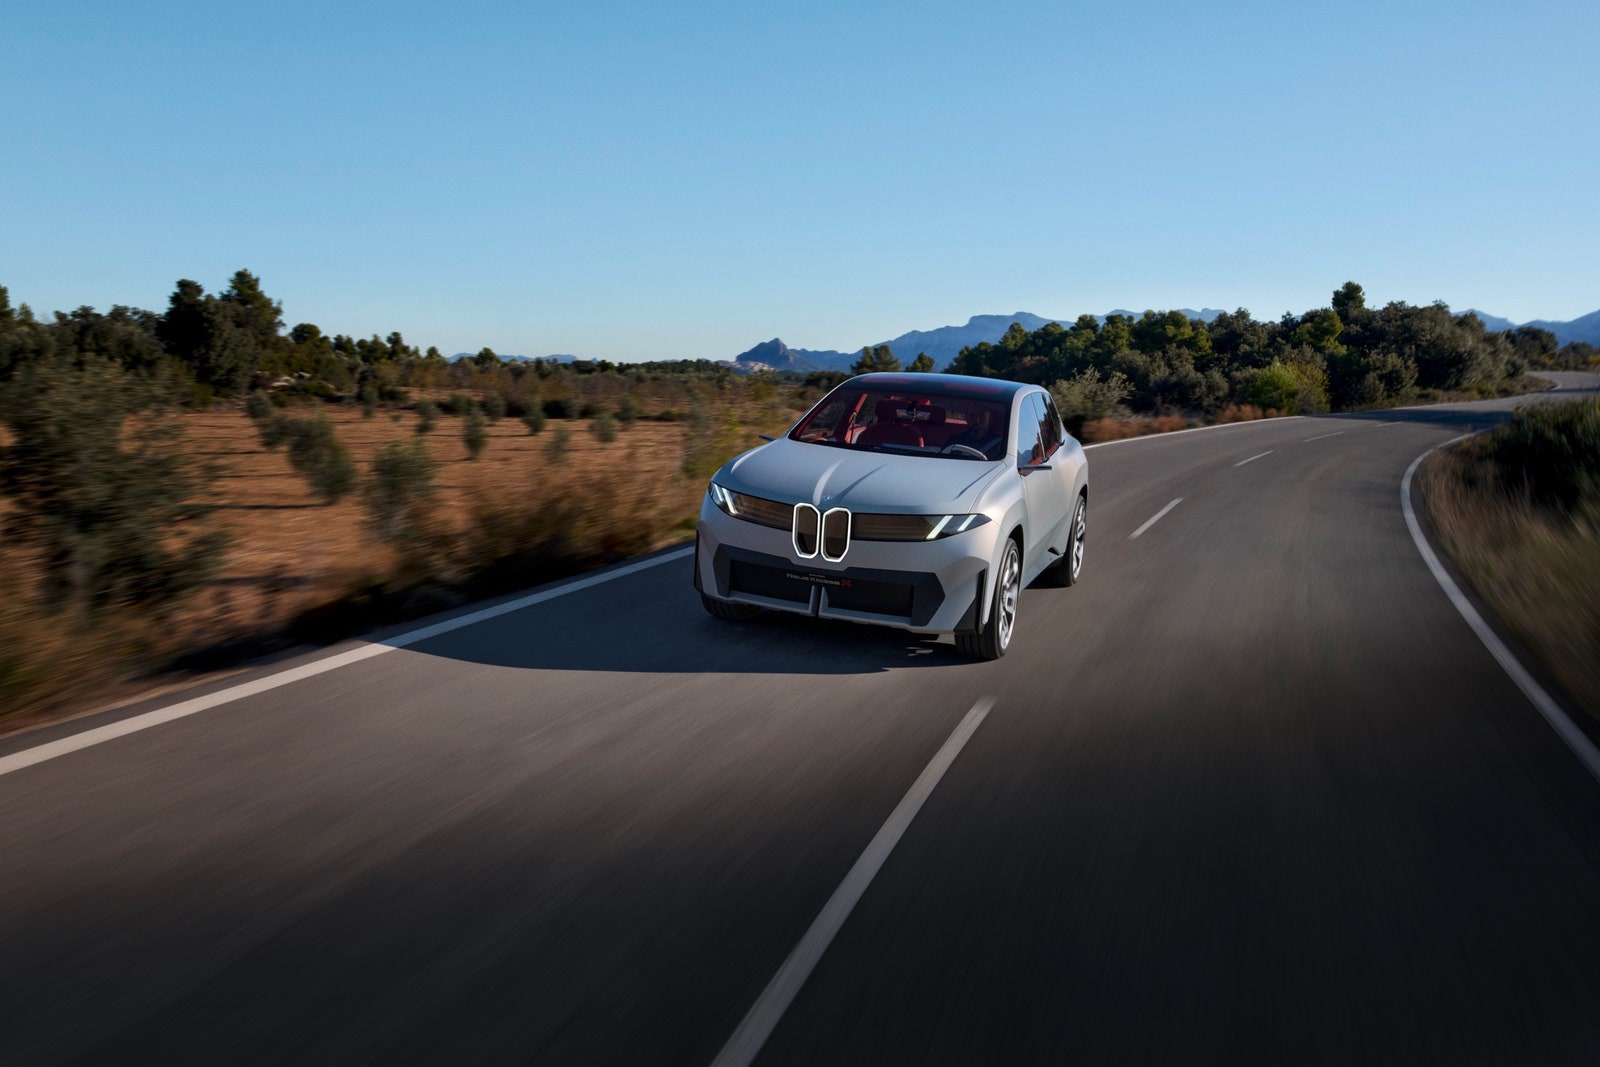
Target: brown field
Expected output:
[290,552]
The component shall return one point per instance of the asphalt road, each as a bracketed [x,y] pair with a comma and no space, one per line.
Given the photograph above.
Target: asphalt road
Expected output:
[1252,792]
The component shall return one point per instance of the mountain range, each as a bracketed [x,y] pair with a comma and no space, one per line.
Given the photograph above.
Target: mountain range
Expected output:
[942,345]
[1585,328]
[946,342]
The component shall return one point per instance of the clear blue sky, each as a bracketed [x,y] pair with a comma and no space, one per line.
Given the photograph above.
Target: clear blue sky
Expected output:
[631,180]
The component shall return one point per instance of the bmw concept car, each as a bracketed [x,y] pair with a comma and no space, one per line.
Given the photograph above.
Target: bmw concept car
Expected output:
[920,501]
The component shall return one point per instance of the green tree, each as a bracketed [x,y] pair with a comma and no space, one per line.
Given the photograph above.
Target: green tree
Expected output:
[1349,302]
[126,336]
[923,364]
[202,333]
[114,516]
[1319,331]
[252,310]
[22,340]
[874,359]
[1534,346]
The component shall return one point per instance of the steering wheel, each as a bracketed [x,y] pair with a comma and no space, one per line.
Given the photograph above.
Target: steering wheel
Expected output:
[950,450]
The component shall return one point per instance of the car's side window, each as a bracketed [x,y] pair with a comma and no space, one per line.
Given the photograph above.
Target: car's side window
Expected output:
[1030,432]
[1052,425]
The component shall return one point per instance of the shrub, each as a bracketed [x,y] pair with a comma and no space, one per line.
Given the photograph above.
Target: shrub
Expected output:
[1241,413]
[494,406]
[1552,451]
[563,407]
[459,404]
[427,416]
[398,489]
[604,427]
[709,441]
[1086,397]
[627,410]
[1298,388]
[258,405]
[533,419]
[475,433]
[273,431]
[558,444]
[321,458]
[110,516]
[1108,430]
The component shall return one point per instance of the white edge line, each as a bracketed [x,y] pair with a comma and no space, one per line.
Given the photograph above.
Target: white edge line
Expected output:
[28,757]
[1152,520]
[1576,739]
[759,1022]
[1255,457]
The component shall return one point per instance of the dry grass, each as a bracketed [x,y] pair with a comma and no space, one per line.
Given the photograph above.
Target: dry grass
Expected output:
[1098,430]
[290,553]
[296,568]
[1538,570]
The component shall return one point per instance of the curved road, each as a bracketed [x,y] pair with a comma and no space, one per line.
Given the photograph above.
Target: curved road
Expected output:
[1252,792]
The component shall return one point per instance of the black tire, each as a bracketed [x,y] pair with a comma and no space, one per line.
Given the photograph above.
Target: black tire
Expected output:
[994,638]
[723,609]
[1068,570]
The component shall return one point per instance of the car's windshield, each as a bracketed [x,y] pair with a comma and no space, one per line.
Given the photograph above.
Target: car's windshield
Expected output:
[903,421]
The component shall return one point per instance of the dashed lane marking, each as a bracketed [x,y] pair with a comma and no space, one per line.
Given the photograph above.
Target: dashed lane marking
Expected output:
[1152,520]
[763,1016]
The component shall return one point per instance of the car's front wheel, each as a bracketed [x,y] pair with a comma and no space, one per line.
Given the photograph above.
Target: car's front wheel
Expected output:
[1069,568]
[992,640]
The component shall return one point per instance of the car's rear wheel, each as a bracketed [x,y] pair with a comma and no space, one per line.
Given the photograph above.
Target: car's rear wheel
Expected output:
[1069,568]
[723,609]
[992,640]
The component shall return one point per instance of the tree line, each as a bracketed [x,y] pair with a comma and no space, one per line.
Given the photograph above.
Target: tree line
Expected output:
[114,514]
[1343,357]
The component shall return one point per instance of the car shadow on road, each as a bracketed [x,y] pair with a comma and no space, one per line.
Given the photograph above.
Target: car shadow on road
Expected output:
[653,623]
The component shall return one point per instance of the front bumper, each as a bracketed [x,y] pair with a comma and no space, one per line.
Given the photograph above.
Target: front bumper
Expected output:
[931,586]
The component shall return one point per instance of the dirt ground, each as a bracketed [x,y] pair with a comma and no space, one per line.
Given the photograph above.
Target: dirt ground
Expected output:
[290,551]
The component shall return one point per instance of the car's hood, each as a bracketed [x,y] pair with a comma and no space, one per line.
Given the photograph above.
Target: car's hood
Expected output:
[794,471]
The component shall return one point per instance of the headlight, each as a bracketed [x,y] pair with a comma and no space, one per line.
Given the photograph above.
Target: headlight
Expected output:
[869,527]
[752,508]
[724,499]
